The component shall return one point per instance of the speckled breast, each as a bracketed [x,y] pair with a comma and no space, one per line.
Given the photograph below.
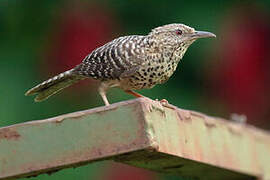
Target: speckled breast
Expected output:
[151,74]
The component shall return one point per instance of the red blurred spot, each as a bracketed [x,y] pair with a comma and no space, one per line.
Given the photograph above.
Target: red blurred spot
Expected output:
[244,72]
[80,30]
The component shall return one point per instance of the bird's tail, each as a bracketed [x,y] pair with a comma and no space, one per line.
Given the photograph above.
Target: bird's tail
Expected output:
[53,85]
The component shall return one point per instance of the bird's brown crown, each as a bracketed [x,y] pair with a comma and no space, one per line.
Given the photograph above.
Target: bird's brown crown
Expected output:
[174,28]
[176,36]
[172,35]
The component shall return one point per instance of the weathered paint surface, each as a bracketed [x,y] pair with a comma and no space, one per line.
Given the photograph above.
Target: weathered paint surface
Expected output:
[211,141]
[70,140]
[140,133]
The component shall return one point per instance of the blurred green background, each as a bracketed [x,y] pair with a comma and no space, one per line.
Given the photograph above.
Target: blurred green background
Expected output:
[229,74]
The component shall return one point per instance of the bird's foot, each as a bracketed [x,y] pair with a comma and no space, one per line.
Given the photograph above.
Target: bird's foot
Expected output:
[165,103]
[180,113]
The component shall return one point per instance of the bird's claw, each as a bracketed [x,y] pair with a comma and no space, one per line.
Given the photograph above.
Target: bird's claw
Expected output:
[166,104]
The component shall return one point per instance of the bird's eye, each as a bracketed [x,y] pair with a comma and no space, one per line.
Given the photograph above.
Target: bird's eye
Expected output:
[179,32]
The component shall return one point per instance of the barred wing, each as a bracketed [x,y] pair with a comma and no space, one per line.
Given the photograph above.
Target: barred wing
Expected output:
[119,58]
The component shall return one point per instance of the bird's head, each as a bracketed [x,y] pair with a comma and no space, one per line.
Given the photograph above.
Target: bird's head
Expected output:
[177,36]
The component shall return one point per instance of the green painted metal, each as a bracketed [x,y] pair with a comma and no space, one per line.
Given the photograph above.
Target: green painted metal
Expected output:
[70,140]
[140,133]
[210,140]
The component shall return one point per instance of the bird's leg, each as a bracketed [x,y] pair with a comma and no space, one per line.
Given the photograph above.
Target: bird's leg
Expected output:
[102,91]
[133,93]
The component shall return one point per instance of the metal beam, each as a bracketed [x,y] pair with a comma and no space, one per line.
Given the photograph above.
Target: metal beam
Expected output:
[141,133]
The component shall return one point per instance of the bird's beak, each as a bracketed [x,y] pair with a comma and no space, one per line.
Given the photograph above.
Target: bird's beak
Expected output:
[202,34]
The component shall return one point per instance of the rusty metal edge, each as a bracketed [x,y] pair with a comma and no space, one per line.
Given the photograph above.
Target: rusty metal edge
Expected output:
[78,114]
[58,119]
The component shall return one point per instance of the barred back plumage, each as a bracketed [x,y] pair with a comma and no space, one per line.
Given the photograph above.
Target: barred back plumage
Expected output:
[113,59]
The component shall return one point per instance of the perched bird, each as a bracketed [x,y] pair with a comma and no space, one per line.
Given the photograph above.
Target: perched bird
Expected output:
[130,62]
